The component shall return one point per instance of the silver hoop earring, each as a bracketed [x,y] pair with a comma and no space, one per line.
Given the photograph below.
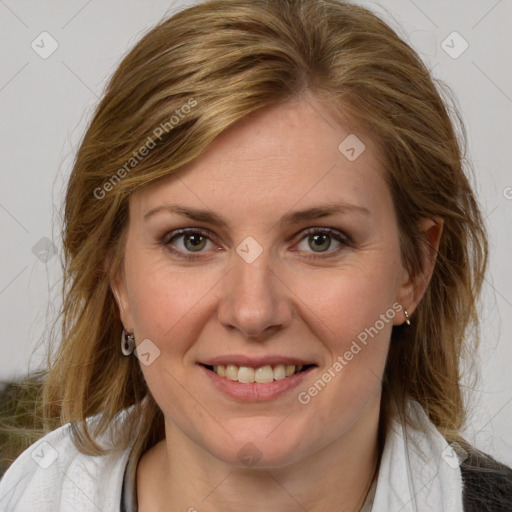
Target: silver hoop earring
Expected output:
[127,343]
[407,321]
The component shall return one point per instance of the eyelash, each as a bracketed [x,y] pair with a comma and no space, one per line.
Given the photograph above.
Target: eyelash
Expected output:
[337,235]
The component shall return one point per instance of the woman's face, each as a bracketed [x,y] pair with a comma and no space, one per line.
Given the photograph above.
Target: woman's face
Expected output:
[263,279]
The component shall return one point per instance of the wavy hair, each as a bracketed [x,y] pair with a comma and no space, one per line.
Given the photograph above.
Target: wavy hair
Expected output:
[184,83]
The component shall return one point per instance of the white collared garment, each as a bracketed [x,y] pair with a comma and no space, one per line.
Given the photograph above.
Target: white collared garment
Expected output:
[419,470]
[416,474]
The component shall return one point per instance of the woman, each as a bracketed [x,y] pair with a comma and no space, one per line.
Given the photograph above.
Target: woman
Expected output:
[269,211]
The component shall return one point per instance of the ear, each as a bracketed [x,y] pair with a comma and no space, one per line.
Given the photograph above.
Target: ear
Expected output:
[119,290]
[413,288]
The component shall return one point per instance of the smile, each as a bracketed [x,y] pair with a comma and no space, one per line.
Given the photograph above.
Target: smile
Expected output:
[261,375]
[258,383]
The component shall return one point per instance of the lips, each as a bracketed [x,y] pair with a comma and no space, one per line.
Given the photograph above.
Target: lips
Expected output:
[251,391]
[261,370]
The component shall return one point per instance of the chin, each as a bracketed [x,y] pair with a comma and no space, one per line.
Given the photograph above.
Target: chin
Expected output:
[258,449]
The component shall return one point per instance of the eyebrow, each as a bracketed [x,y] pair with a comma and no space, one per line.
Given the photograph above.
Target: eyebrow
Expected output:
[312,213]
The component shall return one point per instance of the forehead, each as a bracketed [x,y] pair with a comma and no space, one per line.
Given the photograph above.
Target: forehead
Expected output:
[286,155]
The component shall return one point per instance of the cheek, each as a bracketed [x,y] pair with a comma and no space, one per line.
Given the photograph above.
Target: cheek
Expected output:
[352,312]
[166,305]
[348,301]
[354,323]
[160,297]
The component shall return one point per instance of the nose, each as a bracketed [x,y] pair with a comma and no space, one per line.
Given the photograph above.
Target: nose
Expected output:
[254,300]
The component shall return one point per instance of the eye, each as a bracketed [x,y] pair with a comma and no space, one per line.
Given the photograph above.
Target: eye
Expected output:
[191,242]
[186,241]
[320,241]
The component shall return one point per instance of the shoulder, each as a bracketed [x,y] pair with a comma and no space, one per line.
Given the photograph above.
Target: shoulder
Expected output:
[487,483]
[53,475]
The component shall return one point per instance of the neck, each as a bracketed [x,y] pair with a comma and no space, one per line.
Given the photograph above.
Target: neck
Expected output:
[335,478]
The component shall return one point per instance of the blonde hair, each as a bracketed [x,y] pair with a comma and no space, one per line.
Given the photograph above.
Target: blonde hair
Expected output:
[226,59]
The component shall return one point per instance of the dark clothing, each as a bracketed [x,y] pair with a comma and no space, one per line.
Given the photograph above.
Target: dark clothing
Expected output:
[487,484]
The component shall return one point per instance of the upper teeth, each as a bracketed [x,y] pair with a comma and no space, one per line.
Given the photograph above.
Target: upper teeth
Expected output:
[263,374]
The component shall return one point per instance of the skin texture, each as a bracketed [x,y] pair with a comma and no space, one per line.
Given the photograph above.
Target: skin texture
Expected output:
[290,301]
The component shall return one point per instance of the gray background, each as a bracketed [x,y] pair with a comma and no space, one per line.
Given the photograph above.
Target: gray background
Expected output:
[45,104]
